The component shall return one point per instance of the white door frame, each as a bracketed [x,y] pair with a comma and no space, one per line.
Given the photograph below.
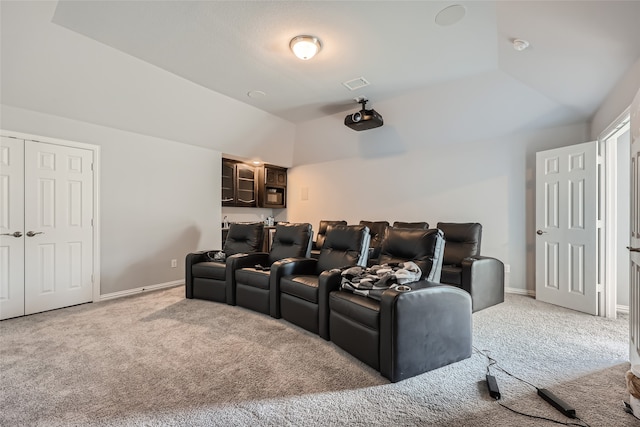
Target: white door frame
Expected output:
[95,149]
[610,205]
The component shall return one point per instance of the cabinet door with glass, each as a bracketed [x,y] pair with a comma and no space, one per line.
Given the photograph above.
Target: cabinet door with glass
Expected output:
[228,183]
[246,185]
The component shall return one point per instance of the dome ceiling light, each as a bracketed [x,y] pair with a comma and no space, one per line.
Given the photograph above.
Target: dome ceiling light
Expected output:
[305,47]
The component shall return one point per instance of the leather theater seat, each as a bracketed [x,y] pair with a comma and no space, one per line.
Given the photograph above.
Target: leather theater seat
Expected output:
[376,229]
[464,267]
[304,285]
[253,277]
[320,236]
[405,333]
[213,280]
[400,224]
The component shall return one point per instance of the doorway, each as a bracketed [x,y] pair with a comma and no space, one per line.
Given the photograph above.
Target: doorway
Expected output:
[49,229]
[615,142]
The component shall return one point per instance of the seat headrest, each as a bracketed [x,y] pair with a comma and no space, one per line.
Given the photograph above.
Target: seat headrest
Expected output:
[462,241]
[290,240]
[422,225]
[344,245]
[322,231]
[243,238]
[376,229]
[424,247]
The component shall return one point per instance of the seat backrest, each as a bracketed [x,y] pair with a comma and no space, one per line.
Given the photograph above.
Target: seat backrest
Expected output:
[424,247]
[462,241]
[376,229]
[243,238]
[421,225]
[344,245]
[322,231]
[290,240]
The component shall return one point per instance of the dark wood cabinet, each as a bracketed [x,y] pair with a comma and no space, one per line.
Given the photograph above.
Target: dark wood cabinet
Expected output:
[246,185]
[272,187]
[228,183]
[239,184]
[275,176]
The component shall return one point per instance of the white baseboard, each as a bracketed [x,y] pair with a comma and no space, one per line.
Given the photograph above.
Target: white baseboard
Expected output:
[517,291]
[128,292]
[619,308]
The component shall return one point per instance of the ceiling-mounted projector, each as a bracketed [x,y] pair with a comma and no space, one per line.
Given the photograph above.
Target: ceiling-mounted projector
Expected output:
[363,119]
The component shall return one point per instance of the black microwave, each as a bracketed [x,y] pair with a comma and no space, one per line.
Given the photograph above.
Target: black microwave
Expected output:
[274,196]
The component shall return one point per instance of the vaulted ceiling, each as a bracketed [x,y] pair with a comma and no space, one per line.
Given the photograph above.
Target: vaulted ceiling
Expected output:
[578,51]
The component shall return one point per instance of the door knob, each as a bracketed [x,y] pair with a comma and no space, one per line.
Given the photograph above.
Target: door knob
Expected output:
[540,232]
[33,233]
[16,234]
[633,249]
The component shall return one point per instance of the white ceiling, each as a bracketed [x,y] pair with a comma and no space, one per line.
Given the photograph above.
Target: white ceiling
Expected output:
[579,49]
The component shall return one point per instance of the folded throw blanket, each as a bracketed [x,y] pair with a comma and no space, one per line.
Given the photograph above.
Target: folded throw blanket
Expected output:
[373,281]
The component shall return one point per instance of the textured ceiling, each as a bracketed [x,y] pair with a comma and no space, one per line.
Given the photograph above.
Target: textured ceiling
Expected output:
[578,49]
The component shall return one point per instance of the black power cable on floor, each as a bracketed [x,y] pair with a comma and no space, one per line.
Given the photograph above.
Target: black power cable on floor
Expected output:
[547,395]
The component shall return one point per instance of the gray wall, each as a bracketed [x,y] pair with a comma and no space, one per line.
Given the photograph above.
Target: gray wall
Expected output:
[159,199]
[617,101]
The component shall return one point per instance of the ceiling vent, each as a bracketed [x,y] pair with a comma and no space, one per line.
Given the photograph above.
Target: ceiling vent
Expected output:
[356,83]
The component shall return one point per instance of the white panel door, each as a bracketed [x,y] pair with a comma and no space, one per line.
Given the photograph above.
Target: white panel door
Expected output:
[58,226]
[566,241]
[11,227]
[634,248]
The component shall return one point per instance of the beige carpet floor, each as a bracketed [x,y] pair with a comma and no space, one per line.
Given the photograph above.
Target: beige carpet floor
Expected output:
[159,359]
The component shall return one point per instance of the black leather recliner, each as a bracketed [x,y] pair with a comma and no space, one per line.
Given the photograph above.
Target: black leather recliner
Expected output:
[320,236]
[411,332]
[400,224]
[376,229]
[302,287]
[207,279]
[254,271]
[482,277]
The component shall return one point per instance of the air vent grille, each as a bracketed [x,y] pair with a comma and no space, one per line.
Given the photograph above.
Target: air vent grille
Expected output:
[356,83]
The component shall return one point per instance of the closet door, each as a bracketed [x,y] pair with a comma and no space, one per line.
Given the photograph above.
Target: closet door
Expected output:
[11,227]
[58,226]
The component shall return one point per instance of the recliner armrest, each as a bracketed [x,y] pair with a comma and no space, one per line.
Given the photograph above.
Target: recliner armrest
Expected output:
[190,259]
[327,281]
[286,267]
[423,329]
[483,278]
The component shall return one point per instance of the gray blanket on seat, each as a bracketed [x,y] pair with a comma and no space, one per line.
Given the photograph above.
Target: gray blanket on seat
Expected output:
[373,281]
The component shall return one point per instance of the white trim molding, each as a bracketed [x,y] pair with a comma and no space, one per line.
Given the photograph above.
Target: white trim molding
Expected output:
[141,289]
[622,309]
[528,292]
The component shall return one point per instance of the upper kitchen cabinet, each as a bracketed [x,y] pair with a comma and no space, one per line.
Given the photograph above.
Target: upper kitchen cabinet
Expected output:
[253,186]
[272,187]
[239,184]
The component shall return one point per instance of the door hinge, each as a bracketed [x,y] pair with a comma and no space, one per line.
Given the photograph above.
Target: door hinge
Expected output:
[92,166]
[92,281]
[599,288]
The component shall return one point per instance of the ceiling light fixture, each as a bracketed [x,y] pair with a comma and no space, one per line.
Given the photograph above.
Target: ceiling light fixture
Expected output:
[305,47]
[520,45]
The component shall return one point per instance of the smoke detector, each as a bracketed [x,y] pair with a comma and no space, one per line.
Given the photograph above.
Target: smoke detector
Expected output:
[520,45]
